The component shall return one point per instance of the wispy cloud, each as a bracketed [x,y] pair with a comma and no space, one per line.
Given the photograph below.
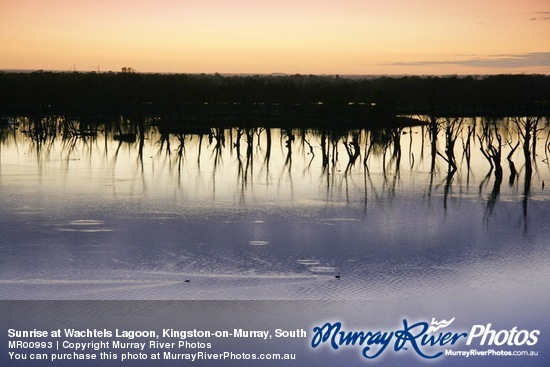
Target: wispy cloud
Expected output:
[541,15]
[491,61]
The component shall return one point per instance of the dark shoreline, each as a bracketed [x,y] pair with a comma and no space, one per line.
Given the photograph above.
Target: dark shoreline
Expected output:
[300,100]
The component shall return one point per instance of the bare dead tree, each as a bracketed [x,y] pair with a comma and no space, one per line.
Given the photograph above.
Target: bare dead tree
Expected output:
[352,148]
[466,144]
[411,154]
[513,171]
[217,134]
[491,146]
[369,145]
[433,131]
[526,127]
[452,127]
[324,149]
[289,138]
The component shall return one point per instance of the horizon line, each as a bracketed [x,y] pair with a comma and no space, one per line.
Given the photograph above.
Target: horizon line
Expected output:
[11,70]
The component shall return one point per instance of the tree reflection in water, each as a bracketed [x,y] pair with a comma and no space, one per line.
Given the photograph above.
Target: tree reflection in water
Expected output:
[306,159]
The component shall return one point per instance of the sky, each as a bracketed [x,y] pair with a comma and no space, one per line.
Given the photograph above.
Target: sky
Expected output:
[278,36]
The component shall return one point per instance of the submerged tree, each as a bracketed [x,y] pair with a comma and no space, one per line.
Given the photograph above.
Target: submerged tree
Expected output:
[352,148]
[490,142]
[527,128]
[453,128]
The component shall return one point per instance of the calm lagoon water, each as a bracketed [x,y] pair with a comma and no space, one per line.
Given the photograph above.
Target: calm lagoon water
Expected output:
[133,212]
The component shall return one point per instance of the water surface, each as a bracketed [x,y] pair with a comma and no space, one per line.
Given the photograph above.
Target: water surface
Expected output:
[127,211]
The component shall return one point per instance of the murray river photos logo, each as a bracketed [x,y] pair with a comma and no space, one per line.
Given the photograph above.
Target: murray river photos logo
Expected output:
[428,340]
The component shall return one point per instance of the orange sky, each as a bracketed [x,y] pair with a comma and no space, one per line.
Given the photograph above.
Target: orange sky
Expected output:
[259,36]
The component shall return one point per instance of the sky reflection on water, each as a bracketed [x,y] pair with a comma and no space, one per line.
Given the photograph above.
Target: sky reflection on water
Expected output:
[269,214]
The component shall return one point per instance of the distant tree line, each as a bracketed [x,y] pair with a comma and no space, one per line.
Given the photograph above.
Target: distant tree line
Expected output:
[130,91]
